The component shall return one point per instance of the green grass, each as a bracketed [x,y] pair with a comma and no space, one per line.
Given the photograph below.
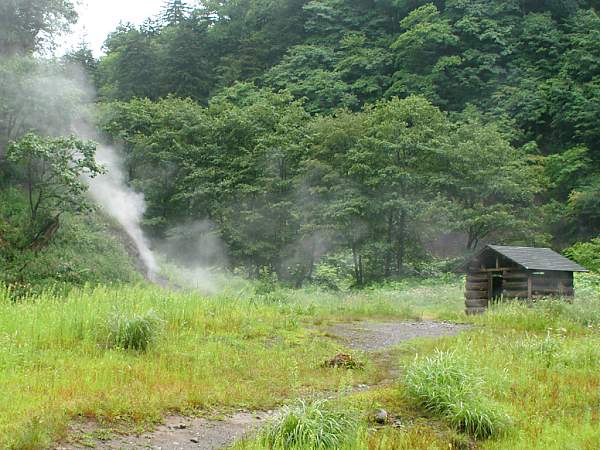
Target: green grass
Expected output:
[444,385]
[315,425]
[60,359]
[232,350]
[136,332]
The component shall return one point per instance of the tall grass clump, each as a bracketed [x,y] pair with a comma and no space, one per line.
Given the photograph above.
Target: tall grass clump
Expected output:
[136,332]
[445,386]
[313,425]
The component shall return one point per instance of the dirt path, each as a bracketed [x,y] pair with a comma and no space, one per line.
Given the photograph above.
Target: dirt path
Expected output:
[372,336]
[181,433]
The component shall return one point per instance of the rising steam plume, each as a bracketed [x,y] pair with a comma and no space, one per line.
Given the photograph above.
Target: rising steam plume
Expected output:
[116,198]
[55,100]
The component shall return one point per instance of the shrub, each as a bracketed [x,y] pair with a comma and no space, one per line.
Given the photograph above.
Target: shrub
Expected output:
[447,388]
[586,253]
[311,426]
[135,332]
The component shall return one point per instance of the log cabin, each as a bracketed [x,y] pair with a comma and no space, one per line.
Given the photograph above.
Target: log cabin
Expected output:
[502,272]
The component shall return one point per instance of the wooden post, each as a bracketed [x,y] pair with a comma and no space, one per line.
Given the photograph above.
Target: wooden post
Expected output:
[529,285]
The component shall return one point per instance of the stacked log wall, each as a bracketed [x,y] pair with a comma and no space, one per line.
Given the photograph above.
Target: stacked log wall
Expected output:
[515,283]
[477,292]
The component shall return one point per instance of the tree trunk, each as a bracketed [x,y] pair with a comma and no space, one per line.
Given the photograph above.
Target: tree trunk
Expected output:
[358,270]
[45,235]
[473,240]
[361,271]
[401,242]
[390,251]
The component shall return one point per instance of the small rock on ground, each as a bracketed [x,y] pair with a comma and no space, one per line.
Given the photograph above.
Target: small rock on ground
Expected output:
[180,433]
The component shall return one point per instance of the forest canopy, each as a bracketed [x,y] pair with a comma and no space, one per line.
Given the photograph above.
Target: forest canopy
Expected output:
[358,135]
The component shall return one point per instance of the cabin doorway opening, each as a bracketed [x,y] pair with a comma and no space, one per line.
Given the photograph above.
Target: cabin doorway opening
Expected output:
[497,286]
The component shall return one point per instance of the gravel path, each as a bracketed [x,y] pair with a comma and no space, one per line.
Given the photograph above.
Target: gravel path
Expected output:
[181,433]
[371,336]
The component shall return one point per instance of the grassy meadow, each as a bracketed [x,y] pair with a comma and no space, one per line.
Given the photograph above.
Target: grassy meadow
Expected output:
[126,355]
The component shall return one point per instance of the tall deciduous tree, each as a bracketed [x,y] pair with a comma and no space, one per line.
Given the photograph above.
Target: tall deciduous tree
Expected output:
[31,25]
[51,170]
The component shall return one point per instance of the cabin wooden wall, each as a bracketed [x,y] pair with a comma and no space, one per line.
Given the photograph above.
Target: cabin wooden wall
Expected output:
[515,283]
[477,292]
[544,284]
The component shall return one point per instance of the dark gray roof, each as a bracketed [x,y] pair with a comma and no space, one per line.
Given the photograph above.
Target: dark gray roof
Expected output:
[534,258]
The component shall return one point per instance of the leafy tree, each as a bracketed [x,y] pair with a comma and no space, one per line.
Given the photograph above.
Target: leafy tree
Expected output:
[308,72]
[395,161]
[183,48]
[586,253]
[131,67]
[31,25]
[51,170]
[332,204]
[82,57]
[583,208]
[232,164]
[491,185]
[51,187]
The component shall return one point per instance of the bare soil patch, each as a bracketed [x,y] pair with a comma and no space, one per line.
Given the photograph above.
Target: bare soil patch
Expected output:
[179,433]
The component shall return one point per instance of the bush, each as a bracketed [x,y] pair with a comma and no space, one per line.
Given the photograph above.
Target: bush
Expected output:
[311,426]
[586,253]
[85,250]
[133,333]
[447,388]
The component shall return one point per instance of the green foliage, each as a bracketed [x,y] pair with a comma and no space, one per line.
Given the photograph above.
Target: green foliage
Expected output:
[333,272]
[317,425]
[491,183]
[83,250]
[27,26]
[295,130]
[444,385]
[582,209]
[285,190]
[52,169]
[586,253]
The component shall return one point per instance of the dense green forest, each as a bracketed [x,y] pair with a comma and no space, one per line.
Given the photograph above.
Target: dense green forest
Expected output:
[313,140]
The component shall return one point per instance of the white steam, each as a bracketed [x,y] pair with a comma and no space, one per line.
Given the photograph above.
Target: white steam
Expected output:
[112,193]
[55,100]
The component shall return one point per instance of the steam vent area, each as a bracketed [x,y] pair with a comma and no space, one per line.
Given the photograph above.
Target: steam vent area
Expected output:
[498,272]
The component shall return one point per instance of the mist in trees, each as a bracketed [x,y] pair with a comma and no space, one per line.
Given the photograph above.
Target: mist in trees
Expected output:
[349,131]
